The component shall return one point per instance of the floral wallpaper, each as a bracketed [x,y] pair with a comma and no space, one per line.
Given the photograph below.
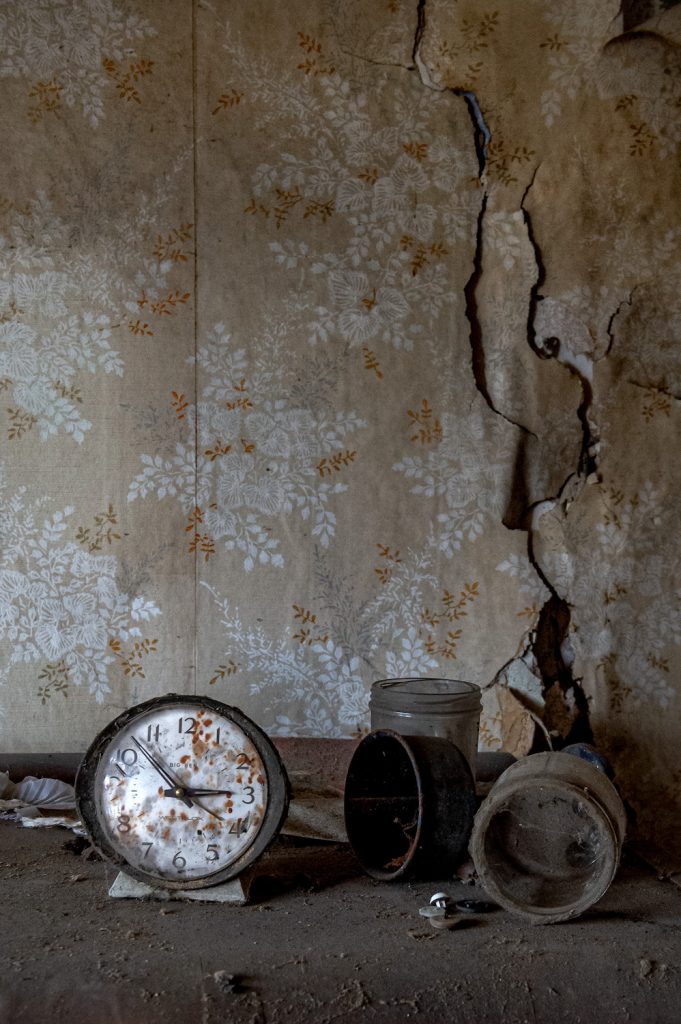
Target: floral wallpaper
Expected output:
[339,341]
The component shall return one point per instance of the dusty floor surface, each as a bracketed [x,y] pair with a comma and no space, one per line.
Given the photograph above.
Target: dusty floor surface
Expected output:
[322,944]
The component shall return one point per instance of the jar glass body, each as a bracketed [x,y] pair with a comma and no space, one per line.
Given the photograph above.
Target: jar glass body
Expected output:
[447,708]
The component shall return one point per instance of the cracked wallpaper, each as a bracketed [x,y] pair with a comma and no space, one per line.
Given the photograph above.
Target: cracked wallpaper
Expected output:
[340,340]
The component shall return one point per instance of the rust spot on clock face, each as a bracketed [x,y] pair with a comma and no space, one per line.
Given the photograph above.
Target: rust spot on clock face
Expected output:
[198,745]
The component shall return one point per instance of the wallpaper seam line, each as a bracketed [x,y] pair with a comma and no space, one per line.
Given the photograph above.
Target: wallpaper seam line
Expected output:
[195,645]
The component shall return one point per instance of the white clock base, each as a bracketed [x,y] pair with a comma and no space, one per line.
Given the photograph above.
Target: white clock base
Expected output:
[125,887]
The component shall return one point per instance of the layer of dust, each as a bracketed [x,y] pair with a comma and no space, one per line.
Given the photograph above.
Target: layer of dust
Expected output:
[322,944]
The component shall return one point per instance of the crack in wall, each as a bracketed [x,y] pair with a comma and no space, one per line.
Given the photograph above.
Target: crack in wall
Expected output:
[548,640]
[610,329]
[482,134]
[475,333]
[420,29]
[553,627]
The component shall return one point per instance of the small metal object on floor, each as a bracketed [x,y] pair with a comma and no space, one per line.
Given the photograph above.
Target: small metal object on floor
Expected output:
[125,887]
[432,911]
[445,924]
[475,906]
[444,912]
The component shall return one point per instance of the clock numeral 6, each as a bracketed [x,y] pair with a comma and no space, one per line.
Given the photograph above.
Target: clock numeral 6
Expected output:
[123,823]
[212,851]
[179,861]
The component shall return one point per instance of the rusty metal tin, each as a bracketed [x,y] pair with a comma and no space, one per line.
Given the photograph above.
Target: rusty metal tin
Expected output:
[548,838]
[409,805]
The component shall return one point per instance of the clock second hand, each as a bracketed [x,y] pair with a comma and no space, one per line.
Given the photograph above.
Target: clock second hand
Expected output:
[208,811]
[200,792]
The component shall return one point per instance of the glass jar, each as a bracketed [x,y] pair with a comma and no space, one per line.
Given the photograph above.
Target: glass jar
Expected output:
[449,708]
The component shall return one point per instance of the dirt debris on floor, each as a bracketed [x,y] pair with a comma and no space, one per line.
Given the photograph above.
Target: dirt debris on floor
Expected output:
[320,943]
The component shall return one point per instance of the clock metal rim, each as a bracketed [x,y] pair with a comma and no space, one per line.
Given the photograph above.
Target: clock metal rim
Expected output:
[276,809]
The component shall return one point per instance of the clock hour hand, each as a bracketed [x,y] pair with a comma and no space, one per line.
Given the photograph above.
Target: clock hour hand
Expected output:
[177,790]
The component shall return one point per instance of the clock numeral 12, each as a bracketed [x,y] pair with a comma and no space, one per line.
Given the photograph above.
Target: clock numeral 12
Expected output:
[191,728]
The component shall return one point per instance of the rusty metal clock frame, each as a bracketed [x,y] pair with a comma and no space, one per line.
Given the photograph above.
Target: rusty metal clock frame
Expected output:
[175,788]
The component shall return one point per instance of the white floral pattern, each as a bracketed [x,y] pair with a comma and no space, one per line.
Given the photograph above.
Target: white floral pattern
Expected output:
[57,325]
[59,602]
[260,456]
[468,469]
[66,41]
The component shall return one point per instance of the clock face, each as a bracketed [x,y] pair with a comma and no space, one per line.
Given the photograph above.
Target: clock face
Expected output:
[182,789]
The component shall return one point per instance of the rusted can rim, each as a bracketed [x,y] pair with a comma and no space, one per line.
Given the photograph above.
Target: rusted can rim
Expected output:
[383,874]
[409,804]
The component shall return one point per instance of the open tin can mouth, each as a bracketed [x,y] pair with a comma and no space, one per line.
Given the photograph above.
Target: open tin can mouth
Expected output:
[409,805]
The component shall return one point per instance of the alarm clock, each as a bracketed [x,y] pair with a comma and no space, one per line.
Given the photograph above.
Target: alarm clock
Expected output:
[182,792]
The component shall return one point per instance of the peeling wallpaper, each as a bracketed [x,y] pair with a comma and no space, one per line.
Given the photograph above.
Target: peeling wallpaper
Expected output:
[340,340]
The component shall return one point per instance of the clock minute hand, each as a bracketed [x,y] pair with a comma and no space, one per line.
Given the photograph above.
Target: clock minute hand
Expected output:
[199,792]
[178,790]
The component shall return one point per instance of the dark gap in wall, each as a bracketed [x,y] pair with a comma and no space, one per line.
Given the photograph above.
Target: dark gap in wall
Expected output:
[635,12]
[535,294]
[552,629]
[481,133]
[547,644]
[477,349]
[420,28]
[587,457]
[517,510]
